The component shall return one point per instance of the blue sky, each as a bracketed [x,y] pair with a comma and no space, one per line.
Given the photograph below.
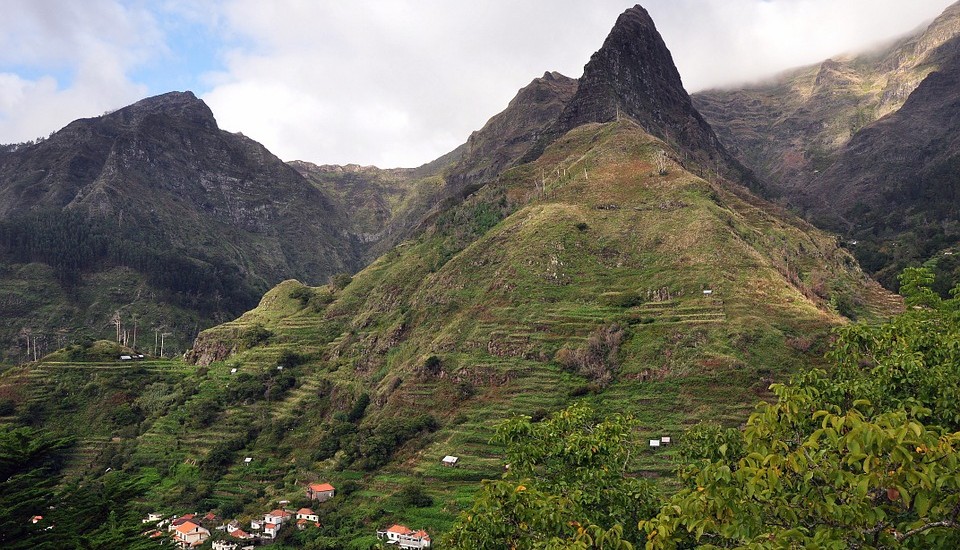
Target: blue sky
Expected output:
[385,82]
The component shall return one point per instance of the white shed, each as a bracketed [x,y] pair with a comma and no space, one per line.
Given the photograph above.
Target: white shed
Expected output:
[450,460]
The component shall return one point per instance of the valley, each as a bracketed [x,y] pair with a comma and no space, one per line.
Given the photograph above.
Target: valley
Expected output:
[594,260]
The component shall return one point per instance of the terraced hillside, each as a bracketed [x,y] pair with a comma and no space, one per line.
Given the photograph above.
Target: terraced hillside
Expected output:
[586,274]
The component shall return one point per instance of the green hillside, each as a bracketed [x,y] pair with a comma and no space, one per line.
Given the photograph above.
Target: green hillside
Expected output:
[579,276]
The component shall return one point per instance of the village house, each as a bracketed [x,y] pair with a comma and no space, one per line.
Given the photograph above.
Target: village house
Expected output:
[270,530]
[321,492]
[404,537]
[190,535]
[176,522]
[155,516]
[240,534]
[224,545]
[276,517]
[306,516]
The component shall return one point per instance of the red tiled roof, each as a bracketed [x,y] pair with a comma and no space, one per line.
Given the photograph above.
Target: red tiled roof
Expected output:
[321,487]
[422,534]
[186,527]
[305,511]
[269,526]
[182,519]
[399,529]
[240,534]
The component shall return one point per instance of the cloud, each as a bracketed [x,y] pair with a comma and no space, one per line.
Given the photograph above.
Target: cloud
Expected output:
[402,82]
[77,57]
[734,41]
[385,82]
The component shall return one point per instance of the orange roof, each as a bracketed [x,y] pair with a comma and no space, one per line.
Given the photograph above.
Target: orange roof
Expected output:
[399,529]
[305,511]
[279,513]
[186,527]
[269,526]
[321,487]
[422,534]
[240,534]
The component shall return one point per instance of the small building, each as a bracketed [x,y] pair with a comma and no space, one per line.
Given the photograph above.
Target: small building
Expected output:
[450,461]
[404,537]
[654,442]
[307,514]
[224,545]
[277,517]
[270,530]
[36,519]
[248,460]
[321,492]
[152,517]
[177,522]
[665,439]
[241,534]
[190,535]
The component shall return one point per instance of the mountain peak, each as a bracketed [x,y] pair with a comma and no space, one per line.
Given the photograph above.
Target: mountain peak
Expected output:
[633,76]
[180,105]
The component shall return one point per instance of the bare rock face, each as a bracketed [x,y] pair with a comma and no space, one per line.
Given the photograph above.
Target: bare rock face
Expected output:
[510,134]
[633,76]
[865,145]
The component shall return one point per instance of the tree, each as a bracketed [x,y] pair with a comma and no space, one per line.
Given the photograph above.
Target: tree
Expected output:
[568,486]
[863,456]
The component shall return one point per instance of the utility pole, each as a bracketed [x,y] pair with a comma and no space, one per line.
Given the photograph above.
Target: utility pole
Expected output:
[162,336]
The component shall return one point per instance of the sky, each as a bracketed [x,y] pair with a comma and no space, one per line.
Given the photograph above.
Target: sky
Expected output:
[384,82]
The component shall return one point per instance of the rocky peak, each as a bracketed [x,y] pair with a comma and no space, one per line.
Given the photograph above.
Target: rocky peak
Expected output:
[633,76]
[510,134]
[181,106]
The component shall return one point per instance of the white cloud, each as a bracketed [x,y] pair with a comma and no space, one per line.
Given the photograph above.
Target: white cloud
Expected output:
[78,54]
[386,82]
[402,82]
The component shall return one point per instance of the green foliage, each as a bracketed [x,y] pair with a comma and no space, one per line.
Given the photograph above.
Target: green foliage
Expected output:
[340,280]
[289,359]
[865,456]
[359,408]
[414,495]
[372,447]
[303,294]
[72,243]
[568,486]
[255,335]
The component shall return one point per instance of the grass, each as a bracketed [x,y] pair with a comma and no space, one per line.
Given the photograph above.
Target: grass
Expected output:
[492,291]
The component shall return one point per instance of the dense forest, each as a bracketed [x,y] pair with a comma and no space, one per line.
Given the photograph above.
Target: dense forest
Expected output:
[74,243]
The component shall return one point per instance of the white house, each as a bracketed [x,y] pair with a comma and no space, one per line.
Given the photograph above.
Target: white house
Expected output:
[270,530]
[190,535]
[404,537]
[155,516]
[224,545]
[277,517]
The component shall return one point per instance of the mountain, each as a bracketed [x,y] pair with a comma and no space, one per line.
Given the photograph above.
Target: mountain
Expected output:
[607,262]
[860,145]
[185,222]
[633,75]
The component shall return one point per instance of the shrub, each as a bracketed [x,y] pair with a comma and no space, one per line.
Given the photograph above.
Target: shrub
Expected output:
[340,281]
[414,495]
[597,359]
[255,335]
